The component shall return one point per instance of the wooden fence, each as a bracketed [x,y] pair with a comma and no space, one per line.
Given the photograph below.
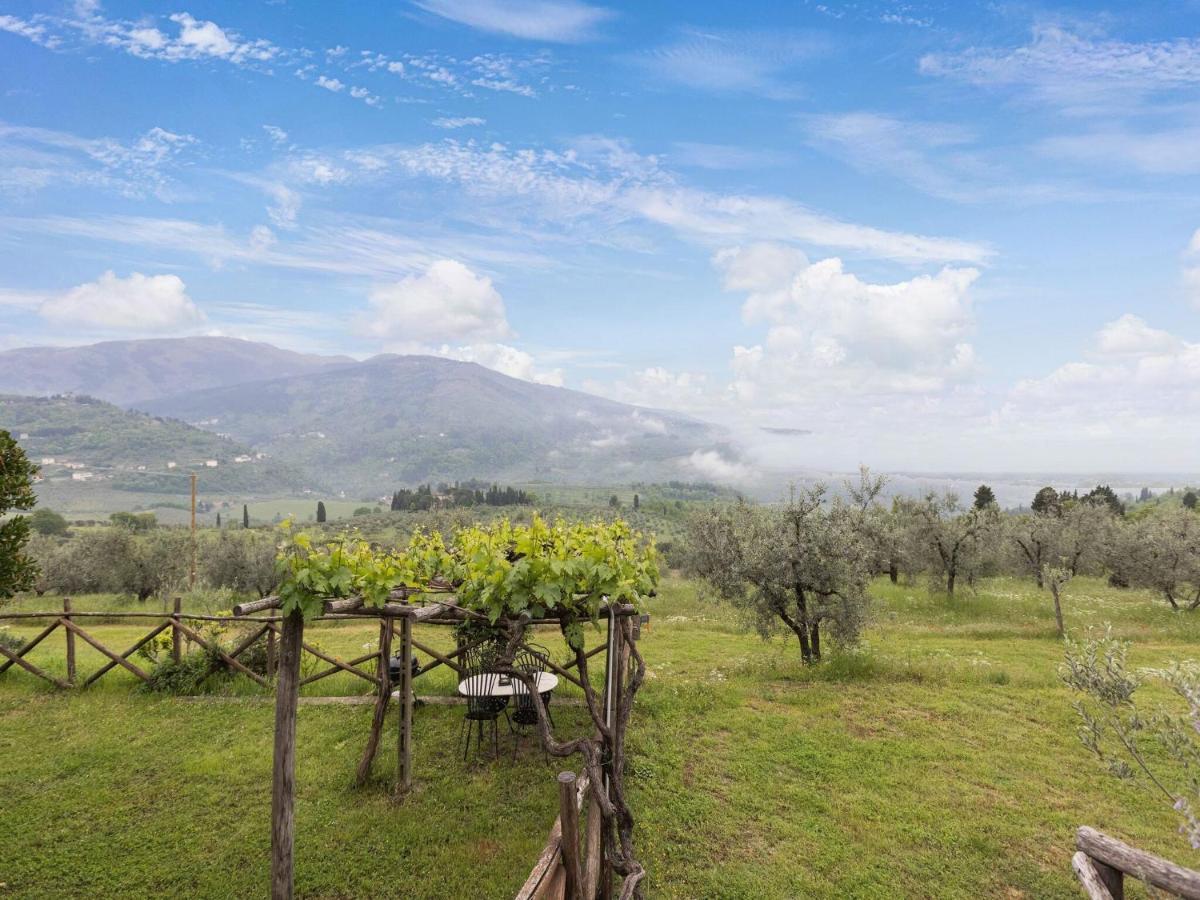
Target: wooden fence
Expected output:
[183,628]
[1103,862]
[567,868]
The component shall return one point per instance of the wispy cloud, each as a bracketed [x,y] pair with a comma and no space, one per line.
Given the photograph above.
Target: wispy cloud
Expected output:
[942,159]
[559,21]
[452,122]
[36,158]
[734,61]
[1078,72]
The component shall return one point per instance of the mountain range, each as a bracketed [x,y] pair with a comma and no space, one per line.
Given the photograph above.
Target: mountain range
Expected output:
[337,424]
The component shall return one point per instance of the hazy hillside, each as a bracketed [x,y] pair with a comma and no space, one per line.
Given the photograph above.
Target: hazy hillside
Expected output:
[395,419]
[129,372]
[130,451]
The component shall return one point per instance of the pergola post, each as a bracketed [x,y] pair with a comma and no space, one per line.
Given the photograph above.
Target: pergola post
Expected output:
[283,776]
[404,754]
[381,701]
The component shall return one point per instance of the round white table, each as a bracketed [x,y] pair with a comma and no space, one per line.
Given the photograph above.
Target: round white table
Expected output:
[546,681]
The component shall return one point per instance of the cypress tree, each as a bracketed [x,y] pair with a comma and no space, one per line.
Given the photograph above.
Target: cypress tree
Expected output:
[320,510]
[245,516]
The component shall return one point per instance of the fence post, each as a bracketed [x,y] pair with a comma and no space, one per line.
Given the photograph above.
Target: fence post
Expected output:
[569,817]
[176,637]
[404,748]
[283,776]
[70,642]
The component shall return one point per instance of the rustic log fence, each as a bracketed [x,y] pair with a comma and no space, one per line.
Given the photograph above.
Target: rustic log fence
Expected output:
[183,630]
[564,870]
[1102,862]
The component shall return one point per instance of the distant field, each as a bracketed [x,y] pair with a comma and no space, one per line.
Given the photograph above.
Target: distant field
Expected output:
[939,760]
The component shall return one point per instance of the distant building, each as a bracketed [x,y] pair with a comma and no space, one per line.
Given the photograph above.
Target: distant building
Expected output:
[141,468]
[81,476]
[170,465]
[47,460]
[242,459]
[23,436]
[73,465]
[211,463]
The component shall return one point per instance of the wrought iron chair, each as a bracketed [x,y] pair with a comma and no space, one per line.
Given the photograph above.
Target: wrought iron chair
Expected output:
[525,715]
[542,657]
[480,679]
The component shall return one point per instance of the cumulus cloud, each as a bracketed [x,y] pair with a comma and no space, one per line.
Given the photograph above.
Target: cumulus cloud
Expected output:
[139,303]
[907,335]
[1131,336]
[506,360]
[446,302]
[330,84]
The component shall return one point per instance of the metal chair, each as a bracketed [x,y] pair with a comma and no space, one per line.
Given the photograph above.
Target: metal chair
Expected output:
[525,714]
[480,679]
[542,657]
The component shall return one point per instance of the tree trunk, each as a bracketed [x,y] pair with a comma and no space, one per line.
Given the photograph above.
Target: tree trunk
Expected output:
[1058,616]
[815,633]
[951,575]
[893,572]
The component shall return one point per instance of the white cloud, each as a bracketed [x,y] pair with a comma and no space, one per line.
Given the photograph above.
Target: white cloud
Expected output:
[447,302]
[139,303]
[561,21]
[34,158]
[1078,72]
[733,61]
[458,121]
[506,360]
[330,84]
[276,134]
[713,466]
[604,181]
[30,30]
[1131,336]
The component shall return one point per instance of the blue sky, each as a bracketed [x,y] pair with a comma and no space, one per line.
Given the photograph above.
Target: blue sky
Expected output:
[934,236]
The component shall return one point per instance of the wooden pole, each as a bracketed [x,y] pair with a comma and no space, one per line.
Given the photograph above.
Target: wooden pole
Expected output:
[404,764]
[176,636]
[381,702]
[283,776]
[271,661]
[70,641]
[192,574]
[568,813]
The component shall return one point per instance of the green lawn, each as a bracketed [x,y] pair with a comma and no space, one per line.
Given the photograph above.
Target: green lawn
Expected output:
[940,759]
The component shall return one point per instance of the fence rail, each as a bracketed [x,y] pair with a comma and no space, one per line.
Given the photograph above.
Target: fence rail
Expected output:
[1102,862]
[182,631]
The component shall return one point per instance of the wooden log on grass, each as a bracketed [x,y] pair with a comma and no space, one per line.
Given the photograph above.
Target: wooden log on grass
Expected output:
[20,652]
[70,641]
[229,660]
[283,774]
[31,668]
[333,670]
[381,704]
[128,653]
[115,657]
[568,813]
[1151,869]
[404,745]
[1089,877]
[176,637]
[595,848]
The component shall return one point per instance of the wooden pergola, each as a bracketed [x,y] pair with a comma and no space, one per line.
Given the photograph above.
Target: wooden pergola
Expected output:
[396,620]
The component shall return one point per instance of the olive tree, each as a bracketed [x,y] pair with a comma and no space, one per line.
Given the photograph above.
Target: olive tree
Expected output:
[17,568]
[794,567]
[1033,540]
[947,539]
[1162,552]
[243,561]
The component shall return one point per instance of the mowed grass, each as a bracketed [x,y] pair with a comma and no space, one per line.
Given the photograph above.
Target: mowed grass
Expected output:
[939,759]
